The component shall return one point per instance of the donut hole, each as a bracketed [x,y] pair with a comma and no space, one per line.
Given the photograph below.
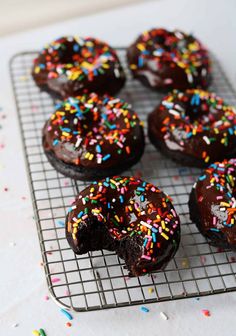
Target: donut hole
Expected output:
[172,42]
[72,53]
[62,51]
[66,53]
[96,122]
[196,109]
[160,39]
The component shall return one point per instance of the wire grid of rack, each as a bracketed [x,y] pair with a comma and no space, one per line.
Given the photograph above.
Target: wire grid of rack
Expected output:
[98,279]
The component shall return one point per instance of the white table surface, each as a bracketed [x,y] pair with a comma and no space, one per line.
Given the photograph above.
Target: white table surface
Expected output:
[19,15]
[22,281]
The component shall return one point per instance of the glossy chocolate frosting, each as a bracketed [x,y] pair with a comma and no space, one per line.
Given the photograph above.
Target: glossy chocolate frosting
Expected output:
[68,66]
[215,203]
[94,131]
[163,59]
[126,215]
[195,124]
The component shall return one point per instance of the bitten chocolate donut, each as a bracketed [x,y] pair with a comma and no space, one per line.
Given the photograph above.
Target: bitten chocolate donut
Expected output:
[126,215]
[91,136]
[194,127]
[68,66]
[212,204]
[165,60]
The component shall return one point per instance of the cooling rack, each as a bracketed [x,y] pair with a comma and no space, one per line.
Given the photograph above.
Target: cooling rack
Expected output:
[98,280]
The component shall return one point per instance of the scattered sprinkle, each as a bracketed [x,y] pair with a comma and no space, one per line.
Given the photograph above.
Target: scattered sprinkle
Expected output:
[42,332]
[203,259]
[15,325]
[60,223]
[23,78]
[185,263]
[54,280]
[67,314]
[164,316]
[206,312]
[36,333]
[144,309]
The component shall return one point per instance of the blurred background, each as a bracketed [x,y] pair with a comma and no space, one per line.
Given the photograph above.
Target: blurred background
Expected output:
[18,15]
[118,22]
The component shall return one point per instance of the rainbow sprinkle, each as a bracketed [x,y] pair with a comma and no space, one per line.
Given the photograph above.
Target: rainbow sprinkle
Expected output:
[67,314]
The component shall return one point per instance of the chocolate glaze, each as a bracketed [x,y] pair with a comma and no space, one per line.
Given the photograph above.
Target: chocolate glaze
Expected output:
[126,215]
[68,66]
[165,60]
[212,204]
[94,133]
[84,174]
[196,127]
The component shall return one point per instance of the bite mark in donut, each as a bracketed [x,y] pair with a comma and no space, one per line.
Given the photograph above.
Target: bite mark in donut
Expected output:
[126,215]
[212,204]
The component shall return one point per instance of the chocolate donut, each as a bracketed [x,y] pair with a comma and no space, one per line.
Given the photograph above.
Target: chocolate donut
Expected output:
[91,136]
[165,60]
[68,66]
[194,128]
[212,204]
[126,215]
